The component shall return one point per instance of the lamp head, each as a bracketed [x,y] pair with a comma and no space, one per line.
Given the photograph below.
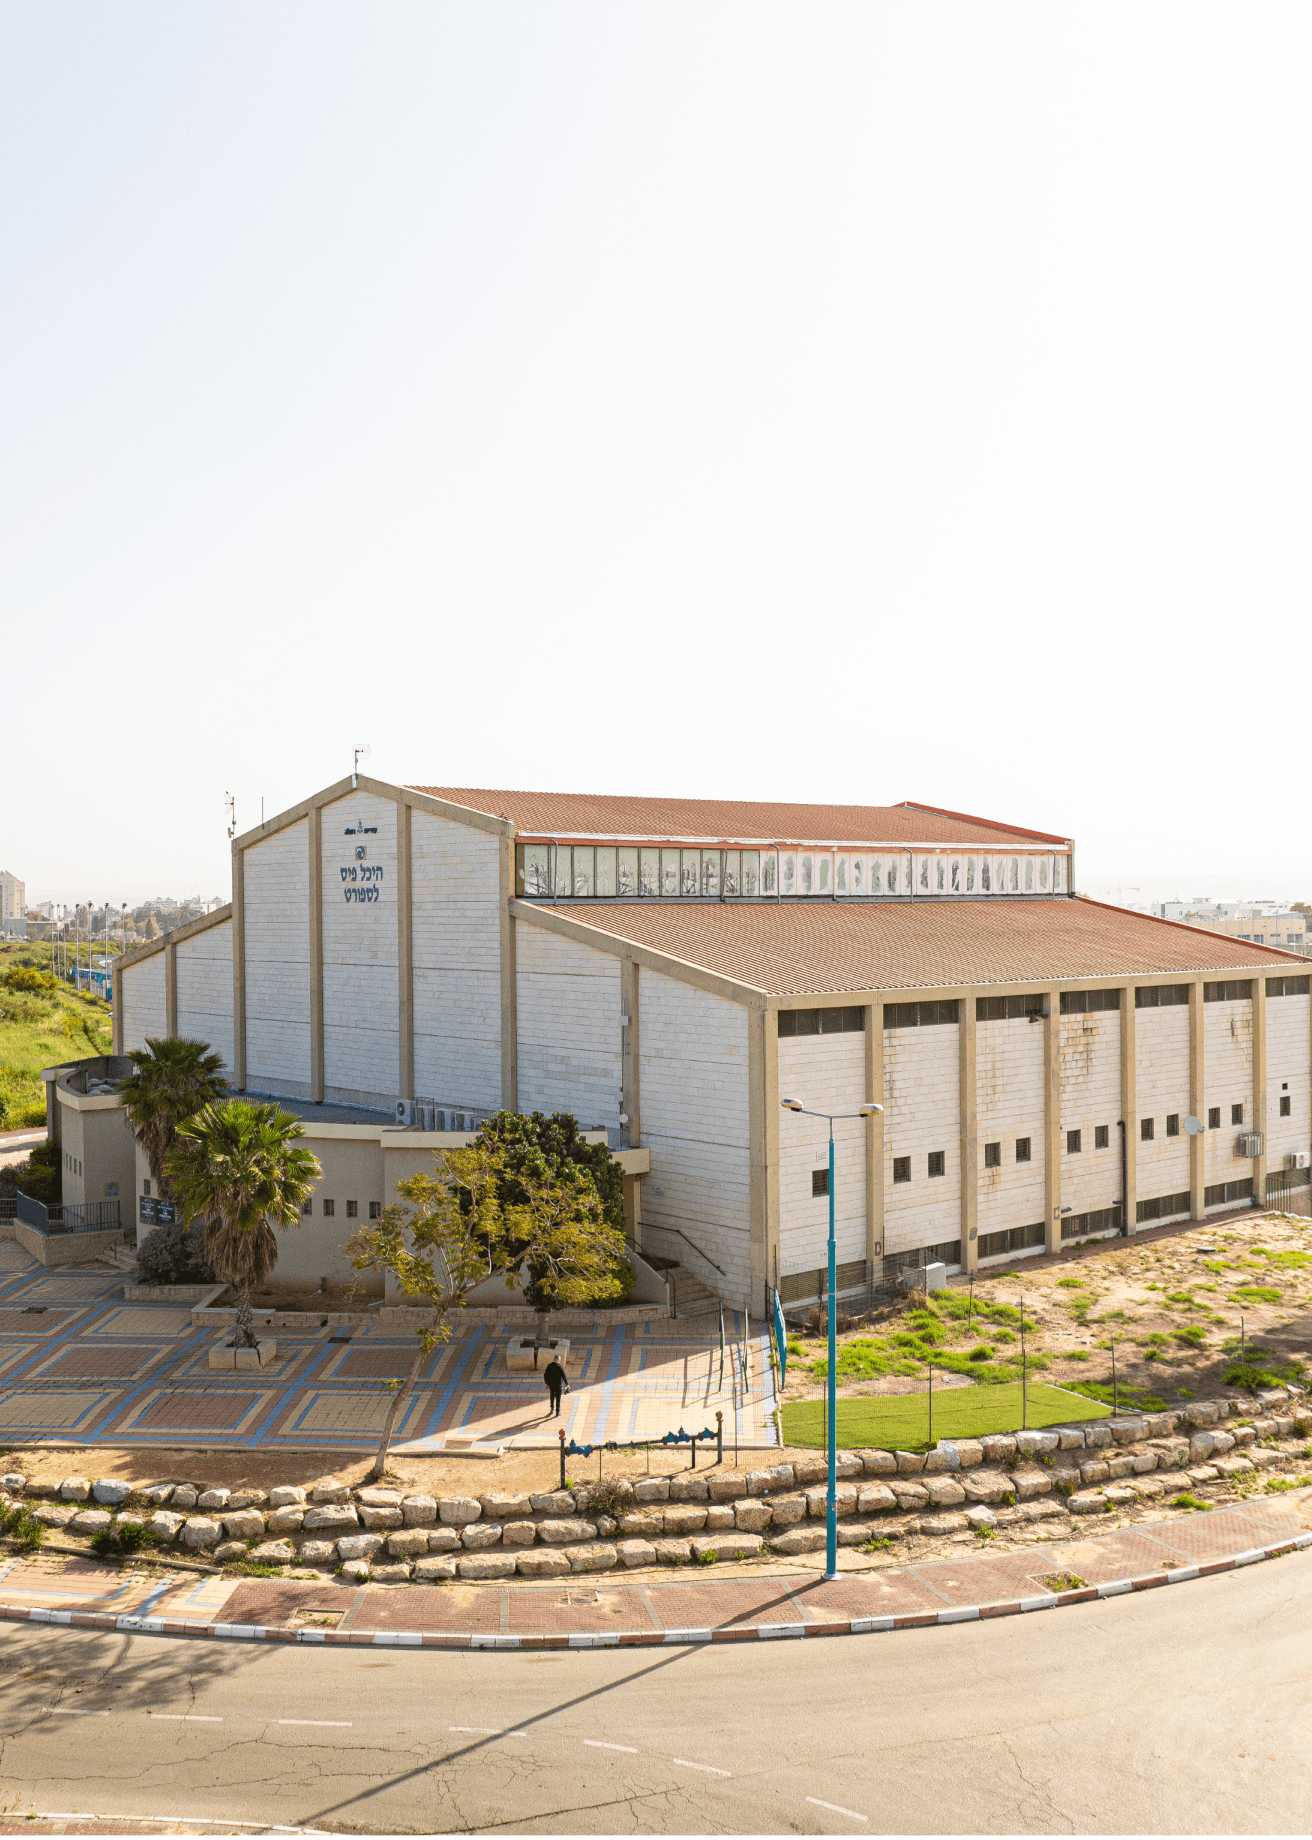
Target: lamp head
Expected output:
[869,1111]
[791,1105]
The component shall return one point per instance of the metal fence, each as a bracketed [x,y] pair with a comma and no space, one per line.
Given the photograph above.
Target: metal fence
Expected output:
[67,1217]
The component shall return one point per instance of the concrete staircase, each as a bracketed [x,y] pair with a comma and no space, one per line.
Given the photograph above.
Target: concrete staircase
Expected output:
[122,1255]
[691,1296]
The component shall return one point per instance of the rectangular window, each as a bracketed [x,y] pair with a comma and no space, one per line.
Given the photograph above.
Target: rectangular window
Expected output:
[1073,1145]
[329,1209]
[901,1168]
[1173,1124]
[710,872]
[1161,996]
[1016,1239]
[692,872]
[562,870]
[823,884]
[788,874]
[1162,1207]
[1008,1009]
[1022,1149]
[532,868]
[1216,1194]
[1214,1118]
[307,1207]
[626,875]
[1097,1220]
[649,872]
[1235,990]
[1289,986]
[850,1021]
[1100,1136]
[752,872]
[353,1210]
[375,1210]
[605,873]
[1284,1105]
[1236,1114]
[145,1186]
[669,873]
[769,873]
[936,1163]
[919,1015]
[732,872]
[993,1156]
[1081,1002]
[1146,1130]
[819,1182]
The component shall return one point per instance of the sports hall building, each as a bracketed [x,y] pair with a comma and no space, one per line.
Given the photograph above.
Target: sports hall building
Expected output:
[399,961]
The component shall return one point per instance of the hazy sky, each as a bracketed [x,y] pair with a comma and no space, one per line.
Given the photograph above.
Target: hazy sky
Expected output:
[851,402]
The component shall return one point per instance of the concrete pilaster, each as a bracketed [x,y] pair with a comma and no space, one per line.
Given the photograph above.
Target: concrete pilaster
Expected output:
[509,980]
[1052,1120]
[170,987]
[1129,1108]
[875,1134]
[238,969]
[969,1136]
[1197,1102]
[631,1053]
[314,845]
[1259,1087]
[405,953]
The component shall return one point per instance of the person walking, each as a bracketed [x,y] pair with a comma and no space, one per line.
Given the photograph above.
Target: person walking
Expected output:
[556,1381]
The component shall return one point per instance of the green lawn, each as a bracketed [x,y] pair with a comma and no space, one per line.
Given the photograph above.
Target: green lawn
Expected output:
[902,1422]
[42,1030]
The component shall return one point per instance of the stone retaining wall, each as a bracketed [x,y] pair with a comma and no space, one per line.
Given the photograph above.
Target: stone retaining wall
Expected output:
[695,1517]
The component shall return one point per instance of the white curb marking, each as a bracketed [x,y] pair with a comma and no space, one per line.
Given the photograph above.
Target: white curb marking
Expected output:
[598,1744]
[342,1723]
[709,1768]
[851,1813]
[488,1731]
[188,1718]
[76,1712]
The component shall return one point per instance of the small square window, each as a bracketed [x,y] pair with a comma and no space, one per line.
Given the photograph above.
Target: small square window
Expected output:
[307,1207]
[145,1186]
[993,1156]
[352,1210]
[1236,1114]
[1101,1134]
[1173,1124]
[1284,1105]
[1147,1130]
[936,1162]
[1022,1149]
[1073,1144]
[901,1168]
[819,1182]
[329,1209]
[1214,1118]
[375,1210]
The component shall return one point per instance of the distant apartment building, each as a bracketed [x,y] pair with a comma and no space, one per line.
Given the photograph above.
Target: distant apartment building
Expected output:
[1261,923]
[13,896]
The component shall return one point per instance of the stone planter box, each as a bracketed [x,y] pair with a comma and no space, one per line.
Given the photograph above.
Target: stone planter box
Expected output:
[227,1358]
[520,1353]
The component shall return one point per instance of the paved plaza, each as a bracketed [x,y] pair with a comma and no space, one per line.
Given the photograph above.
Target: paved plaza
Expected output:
[80,1366]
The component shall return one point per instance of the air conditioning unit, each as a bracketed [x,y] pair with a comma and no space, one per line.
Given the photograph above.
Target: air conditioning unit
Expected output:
[1249,1143]
[405,1112]
[1298,1159]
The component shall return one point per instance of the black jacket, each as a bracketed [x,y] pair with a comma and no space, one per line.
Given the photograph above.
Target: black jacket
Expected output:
[554,1377]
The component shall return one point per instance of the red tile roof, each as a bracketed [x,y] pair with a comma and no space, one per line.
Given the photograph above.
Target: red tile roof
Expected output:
[565,815]
[834,946]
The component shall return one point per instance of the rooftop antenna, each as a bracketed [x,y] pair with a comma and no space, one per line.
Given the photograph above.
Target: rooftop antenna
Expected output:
[361,753]
[230,813]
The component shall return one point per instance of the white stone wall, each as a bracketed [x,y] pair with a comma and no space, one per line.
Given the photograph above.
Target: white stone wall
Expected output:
[361,1036]
[1288,1063]
[457,962]
[1161,1087]
[568,1000]
[277,908]
[1227,1081]
[922,1101]
[827,1073]
[1090,1058]
[204,964]
[140,991]
[1008,1106]
[695,1117]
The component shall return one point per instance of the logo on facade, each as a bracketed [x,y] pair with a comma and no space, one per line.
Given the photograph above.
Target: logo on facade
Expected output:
[360,852]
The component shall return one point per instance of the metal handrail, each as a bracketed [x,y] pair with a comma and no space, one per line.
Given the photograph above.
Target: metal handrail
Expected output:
[721,1347]
[693,1243]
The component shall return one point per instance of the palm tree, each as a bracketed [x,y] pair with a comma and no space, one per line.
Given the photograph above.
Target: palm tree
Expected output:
[237,1167]
[174,1081]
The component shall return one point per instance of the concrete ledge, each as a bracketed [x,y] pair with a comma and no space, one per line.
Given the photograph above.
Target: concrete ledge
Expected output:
[197,1294]
[226,1357]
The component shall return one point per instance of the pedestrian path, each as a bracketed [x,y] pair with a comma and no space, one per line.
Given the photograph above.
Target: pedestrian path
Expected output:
[761,1601]
[80,1366]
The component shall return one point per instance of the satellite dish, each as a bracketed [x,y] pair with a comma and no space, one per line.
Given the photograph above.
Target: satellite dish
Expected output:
[1194,1126]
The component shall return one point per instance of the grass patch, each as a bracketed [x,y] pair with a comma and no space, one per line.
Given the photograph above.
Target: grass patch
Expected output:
[1064,1581]
[1262,1370]
[903,1423]
[119,1542]
[251,1568]
[1257,1293]
[1136,1396]
[1186,1500]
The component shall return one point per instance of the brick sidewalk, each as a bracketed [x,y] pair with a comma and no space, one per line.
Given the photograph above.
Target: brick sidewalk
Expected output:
[736,1601]
[79,1366]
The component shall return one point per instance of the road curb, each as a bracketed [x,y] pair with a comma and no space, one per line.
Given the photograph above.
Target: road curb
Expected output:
[655,1638]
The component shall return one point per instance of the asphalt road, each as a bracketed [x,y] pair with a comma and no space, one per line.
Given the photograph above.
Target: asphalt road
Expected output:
[1172,1711]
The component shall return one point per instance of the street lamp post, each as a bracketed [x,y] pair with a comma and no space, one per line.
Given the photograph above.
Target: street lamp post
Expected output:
[831,1502]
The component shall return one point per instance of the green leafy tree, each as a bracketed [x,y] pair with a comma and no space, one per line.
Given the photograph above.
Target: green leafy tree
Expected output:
[174,1080]
[476,1219]
[238,1167]
[534,1148]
